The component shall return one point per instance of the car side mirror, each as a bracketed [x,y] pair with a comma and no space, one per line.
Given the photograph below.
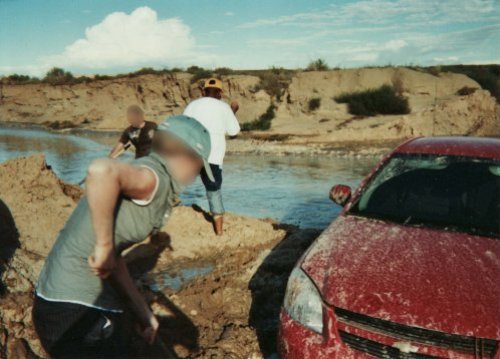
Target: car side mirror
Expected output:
[340,194]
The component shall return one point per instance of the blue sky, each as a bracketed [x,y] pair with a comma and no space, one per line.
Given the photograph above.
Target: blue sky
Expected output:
[110,36]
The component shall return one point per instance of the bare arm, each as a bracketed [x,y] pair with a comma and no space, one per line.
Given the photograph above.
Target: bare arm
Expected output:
[106,181]
[123,283]
[117,150]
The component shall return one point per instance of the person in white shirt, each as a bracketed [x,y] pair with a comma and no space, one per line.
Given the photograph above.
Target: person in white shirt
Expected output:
[220,121]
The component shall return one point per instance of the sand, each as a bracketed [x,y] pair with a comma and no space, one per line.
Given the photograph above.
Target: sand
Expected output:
[231,312]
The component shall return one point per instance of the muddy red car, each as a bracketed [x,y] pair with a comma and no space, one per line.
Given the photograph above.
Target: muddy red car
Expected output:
[411,267]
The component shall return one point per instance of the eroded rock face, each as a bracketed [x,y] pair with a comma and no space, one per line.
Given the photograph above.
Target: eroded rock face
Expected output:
[102,104]
[436,107]
[231,312]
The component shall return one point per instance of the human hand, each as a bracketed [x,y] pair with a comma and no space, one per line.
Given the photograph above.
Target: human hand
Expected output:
[235,106]
[150,331]
[102,262]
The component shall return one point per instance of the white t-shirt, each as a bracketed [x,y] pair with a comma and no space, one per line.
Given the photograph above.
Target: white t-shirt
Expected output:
[219,120]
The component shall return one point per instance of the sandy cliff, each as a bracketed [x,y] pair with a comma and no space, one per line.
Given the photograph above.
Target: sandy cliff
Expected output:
[436,107]
[102,104]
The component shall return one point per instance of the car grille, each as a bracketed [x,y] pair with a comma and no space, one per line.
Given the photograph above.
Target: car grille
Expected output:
[481,348]
[376,349]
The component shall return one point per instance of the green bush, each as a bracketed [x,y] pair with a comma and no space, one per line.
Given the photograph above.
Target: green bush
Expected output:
[383,100]
[146,71]
[18,79]
[200,74]
[263,122]
[223,71]
[56,125]
[102,77]
[194,69]
[57,76]
[318,65]
[274,81]
[314,104]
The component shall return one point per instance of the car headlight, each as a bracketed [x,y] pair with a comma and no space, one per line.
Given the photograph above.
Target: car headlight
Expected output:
[303,302]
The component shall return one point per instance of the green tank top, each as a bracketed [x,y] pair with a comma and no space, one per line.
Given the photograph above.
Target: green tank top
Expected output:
[66,275]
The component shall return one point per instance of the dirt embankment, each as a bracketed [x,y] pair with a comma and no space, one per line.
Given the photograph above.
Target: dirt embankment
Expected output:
[231,312]
[436,107]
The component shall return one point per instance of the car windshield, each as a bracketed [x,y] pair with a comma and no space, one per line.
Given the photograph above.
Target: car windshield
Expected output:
[448,192]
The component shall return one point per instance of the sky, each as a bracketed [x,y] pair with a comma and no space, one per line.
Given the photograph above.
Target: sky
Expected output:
[113,36]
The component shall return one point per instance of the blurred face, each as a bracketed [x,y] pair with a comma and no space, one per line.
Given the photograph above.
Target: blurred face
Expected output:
[135,119]
[185,167]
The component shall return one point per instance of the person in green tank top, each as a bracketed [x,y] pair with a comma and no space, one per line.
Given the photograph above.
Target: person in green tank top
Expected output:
[85,287]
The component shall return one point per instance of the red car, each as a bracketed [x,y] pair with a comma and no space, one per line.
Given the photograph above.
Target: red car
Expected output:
[411,267]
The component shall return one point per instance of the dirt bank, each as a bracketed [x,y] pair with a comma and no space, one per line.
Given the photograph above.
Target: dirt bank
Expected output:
[436,106]
[231,312]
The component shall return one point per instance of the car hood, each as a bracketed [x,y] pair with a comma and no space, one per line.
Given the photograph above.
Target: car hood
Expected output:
[434,279]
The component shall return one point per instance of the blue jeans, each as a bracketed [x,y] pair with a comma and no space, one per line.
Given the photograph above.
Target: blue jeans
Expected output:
[214,194]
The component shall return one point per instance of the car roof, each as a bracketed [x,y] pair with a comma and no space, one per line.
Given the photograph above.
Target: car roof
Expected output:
[479,147]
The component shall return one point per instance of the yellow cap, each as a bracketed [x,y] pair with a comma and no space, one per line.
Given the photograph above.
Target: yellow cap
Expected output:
[213,83]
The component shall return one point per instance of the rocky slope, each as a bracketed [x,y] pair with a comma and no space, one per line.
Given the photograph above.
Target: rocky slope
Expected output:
[231,312]
[436,107]
[101,104]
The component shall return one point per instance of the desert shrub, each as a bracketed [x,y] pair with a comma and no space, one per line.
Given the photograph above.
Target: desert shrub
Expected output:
[383,100]
[102,77]
[274,81]
[200,74]
[56,125]
[18,79]
[223,71]
[434,70]
[317,65]
[58,76]
[263,122]
[145,71]
[466,90]
[194,69]
[314,104]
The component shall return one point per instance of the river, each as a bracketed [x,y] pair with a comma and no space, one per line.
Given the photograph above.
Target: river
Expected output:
[288,189]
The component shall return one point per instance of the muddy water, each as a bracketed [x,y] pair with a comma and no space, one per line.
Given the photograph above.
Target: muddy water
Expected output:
[288,189]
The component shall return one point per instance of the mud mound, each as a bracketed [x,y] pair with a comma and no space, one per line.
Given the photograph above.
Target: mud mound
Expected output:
[230,312]
[192,233]
[38,200]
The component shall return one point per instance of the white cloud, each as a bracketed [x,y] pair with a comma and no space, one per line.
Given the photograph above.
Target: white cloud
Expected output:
[395,45]
[365,57]
[31,70]
[229,13]
[447,59]
[383,12]
[275,42]
[136,39]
